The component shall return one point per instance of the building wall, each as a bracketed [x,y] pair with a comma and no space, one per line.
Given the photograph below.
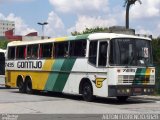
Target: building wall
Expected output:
[32,38]
[5,26]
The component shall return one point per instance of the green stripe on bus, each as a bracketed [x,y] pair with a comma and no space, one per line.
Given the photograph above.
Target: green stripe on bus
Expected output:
[54,75]
[140,75]
[63,76]
[80,37]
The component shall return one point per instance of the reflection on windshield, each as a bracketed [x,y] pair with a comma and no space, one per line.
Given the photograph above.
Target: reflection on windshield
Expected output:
[130,52]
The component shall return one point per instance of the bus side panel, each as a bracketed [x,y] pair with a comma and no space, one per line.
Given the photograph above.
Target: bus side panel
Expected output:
[97,77]
[60,72]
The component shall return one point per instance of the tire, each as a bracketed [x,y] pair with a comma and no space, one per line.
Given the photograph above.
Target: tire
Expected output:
[7,87]
[21,86]
[87,92]
[122,98]
[28,85]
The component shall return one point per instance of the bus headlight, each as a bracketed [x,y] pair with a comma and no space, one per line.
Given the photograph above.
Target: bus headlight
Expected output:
[123,91]
[152,78]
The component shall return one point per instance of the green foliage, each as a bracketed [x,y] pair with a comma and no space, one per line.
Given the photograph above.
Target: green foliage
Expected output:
[3,44]
[156,50]
[90,30]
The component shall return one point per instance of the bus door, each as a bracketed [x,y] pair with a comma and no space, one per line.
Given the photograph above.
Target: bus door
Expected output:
[102,59]
[102,71]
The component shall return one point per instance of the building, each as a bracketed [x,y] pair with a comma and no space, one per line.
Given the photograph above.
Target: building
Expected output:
[9,35]
[6,25]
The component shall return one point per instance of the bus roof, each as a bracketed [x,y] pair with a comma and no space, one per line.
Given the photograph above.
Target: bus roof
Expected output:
[1,50]
[92,36]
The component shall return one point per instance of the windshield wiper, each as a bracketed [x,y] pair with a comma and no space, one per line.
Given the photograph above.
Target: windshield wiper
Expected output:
[131,60]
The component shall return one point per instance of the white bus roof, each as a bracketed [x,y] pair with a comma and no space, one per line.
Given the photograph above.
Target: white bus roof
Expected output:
[92,36]
[1,50]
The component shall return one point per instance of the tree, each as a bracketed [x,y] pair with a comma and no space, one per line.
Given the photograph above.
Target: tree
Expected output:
[90,30]
[3,44]
[156,50]
[127,4]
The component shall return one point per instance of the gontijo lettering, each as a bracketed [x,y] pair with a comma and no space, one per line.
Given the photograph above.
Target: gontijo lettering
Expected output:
[29,64]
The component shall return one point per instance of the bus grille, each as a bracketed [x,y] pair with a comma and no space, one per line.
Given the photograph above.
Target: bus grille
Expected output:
[139,79]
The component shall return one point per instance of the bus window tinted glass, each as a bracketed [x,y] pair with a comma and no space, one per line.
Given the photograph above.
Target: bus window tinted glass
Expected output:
[32,51]
[11,52]
[77,48]
[46,50]
[61,49]
[102,53]
[93,52]
[21,52]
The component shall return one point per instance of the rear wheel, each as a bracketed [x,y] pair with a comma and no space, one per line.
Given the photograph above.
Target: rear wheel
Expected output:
[21,86]
[28,85]
[7,87]
[87,92]
[122,98]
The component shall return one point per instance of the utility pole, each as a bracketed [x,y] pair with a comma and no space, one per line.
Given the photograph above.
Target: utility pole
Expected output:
[42,24]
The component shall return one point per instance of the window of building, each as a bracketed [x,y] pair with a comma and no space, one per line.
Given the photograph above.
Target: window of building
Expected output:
[93,52]
[61,49]
[32,51]
[11,53]
[46,50]
[21,52]
[77,48]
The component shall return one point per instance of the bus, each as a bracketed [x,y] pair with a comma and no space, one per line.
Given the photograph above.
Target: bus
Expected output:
[2,67]
[91,65]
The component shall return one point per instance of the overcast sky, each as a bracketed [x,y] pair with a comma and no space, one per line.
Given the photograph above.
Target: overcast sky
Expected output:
[66,16]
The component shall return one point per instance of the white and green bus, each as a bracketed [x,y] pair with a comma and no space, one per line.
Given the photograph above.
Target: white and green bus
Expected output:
[98,64]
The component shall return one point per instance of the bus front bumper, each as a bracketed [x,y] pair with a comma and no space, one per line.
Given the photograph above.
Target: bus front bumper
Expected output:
[130,90]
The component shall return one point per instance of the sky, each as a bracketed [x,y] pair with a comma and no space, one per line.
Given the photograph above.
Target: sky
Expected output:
[66,16]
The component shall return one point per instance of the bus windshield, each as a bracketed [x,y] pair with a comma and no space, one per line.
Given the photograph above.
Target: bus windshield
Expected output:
[130,52]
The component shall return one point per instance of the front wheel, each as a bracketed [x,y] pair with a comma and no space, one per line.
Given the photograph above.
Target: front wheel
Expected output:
[87,92]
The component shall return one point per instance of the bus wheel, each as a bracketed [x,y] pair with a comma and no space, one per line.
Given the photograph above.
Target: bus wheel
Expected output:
[122,98]
[28,85]
[7,87]
[21,86]
[87,92]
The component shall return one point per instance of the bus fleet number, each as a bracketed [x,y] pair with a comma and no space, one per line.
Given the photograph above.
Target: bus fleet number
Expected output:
[10,64]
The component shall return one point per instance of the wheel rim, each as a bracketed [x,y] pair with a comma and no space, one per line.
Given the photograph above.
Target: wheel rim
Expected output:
[87,91]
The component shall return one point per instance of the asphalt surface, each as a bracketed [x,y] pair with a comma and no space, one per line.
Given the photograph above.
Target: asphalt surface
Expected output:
[65,107]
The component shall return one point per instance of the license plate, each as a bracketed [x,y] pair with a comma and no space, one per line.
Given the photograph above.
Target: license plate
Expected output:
[137,90]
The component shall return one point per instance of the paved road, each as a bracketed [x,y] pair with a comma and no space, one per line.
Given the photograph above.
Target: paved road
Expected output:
[11,101]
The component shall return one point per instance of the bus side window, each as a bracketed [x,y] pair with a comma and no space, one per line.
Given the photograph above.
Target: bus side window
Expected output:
[77,48]
[11,53]
[46,50]
[93,52]
[61,49]
[20,52]
[32,51]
